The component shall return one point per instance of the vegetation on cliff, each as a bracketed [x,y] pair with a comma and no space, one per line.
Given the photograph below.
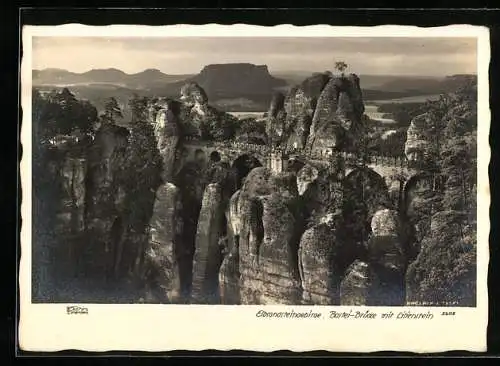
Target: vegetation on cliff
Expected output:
[445,269]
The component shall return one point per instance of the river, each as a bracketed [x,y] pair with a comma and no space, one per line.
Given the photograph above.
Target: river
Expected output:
[372,112]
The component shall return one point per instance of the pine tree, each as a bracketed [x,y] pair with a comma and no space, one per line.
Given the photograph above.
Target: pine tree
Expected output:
[112,111]
[139,108]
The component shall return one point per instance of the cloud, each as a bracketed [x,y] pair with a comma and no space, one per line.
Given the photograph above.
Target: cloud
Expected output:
[188,55]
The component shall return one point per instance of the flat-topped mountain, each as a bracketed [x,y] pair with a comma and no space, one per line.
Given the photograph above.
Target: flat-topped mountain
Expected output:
[231,79]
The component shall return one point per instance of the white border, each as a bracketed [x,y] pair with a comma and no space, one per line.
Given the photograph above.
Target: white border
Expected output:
[46,327]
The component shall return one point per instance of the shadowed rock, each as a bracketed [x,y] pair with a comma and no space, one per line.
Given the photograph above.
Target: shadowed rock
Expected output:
[208,256]
[104,197]
[444,272]
[290,116]
[320,263]
[277,259]
[167,135]
[387,259]
[364,193]
[229,275]
[162,267]
[267,242]
[74,174]
[356,286]
[275,123]
[323,194]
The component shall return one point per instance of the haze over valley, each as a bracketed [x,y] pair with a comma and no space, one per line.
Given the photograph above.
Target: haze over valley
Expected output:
[243,89]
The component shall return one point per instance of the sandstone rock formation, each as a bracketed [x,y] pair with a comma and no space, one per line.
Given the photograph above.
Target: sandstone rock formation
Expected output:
[276,119]
[378,280]
[168,134]
[199,120]
[364,193]
[229,275]
[207,256]
[268,243]
[74,171]
[162,267]
[322,192]
[306,176]
[320,263]
[104,197]
[277,256]
[357,284]
[298,111]
[337,115]
[387,258]
[418,138]
[290,116]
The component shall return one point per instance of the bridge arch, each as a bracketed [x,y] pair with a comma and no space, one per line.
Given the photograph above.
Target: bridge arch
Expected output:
[364,193]
[243,164]
[215,156]
[418,182]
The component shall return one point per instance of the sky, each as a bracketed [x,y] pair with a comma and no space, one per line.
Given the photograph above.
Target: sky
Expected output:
[183,55]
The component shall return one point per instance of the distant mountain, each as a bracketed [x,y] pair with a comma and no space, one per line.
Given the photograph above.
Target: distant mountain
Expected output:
[142,80]
[421,85]
[232,80]
[231,87]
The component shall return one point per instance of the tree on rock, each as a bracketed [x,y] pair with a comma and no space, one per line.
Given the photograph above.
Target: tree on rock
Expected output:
[341,66]
[61,113]
[139,108]
[112,111]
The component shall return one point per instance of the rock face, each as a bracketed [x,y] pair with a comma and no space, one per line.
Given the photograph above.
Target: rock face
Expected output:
[418,138]
[208,256]
[364,193]
[268,244]
[162,267]
[191,183]
[337,115]
[229,275]
[320,262]
[380,279]
[322,191]
[74,171]
[105,198]
[444,271]
[277,256]
[386,258]
[356,285]
[290,116]
[306,176]
[168,134]
[276,119]
[199,120]
[298,109]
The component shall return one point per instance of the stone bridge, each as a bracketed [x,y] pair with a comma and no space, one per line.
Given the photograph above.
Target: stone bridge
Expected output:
[398,173]
[225,151]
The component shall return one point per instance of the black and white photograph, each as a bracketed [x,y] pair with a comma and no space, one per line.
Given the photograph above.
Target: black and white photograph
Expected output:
[337,171]
[319,171]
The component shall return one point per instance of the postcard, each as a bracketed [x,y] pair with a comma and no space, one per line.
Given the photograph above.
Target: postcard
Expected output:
[241,187]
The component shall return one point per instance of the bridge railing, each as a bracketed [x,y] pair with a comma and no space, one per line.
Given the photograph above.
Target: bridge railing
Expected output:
[349,158]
